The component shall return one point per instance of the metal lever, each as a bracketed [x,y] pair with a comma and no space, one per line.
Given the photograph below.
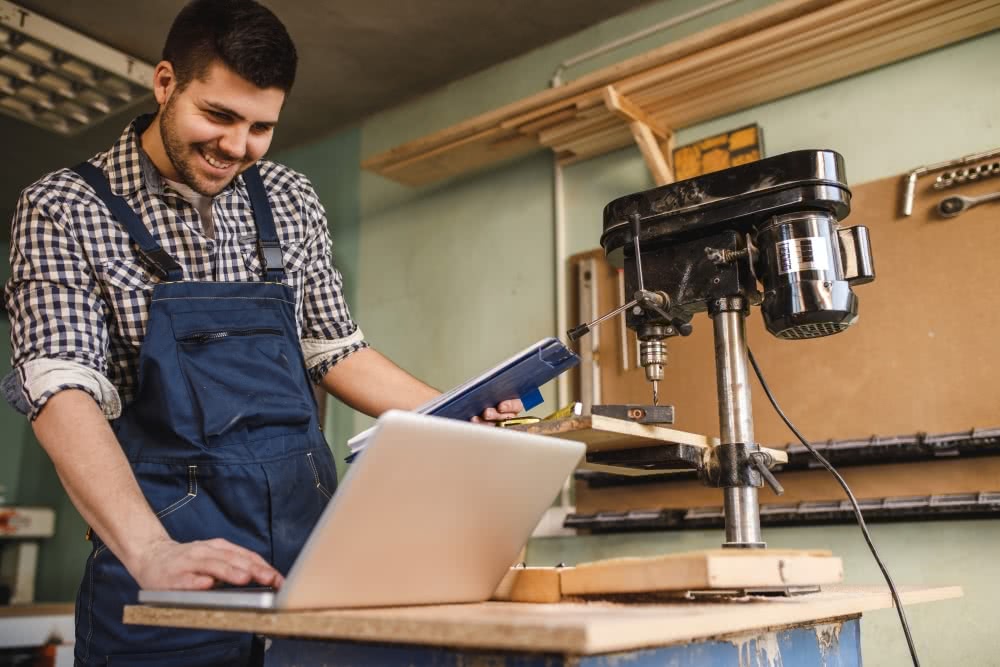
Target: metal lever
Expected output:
[578,332]
[761,461]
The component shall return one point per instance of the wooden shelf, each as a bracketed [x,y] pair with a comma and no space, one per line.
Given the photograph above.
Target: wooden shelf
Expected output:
[782,49]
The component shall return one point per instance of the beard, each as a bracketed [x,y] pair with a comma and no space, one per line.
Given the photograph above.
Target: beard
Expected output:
[183,155]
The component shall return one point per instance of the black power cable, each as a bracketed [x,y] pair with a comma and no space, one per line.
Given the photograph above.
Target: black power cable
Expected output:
[854,505]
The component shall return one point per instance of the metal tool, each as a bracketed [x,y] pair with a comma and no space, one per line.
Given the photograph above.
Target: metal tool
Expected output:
[640,414]
[949,179]
[709,244]
[952,206]
[910,180]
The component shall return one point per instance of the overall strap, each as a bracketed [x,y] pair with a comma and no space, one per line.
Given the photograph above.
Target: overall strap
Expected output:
[268,246]
[165,266]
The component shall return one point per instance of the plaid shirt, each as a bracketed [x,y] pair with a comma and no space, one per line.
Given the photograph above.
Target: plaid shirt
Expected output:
[78,297]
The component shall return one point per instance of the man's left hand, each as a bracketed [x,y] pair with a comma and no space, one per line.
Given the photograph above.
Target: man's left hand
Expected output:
[505,410]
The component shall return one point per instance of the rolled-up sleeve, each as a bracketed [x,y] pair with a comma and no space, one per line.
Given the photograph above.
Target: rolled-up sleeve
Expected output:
[58,332]
[329,334]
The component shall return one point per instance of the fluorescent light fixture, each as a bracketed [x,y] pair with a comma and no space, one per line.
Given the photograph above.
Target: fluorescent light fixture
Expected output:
[60,80]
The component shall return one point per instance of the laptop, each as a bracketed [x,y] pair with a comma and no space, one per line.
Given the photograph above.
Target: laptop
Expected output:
[433,511]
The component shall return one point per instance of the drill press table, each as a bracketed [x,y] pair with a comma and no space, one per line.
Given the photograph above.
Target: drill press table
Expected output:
[821,628]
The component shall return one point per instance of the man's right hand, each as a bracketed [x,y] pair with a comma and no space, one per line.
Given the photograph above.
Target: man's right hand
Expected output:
[168,565]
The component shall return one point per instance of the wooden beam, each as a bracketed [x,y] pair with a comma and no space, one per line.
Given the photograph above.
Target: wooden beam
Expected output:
[629,111]
[651,153]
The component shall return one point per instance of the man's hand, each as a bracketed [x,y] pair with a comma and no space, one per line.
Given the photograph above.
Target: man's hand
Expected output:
[169,565]
[505,410]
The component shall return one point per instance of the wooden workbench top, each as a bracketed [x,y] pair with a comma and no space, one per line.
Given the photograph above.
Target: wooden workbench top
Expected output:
[575,628]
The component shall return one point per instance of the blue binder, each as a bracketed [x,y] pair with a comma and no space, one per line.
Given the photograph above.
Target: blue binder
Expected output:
[517,377]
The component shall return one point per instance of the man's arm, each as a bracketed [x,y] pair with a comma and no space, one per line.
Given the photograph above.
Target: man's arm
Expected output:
[369,382]
[97,476]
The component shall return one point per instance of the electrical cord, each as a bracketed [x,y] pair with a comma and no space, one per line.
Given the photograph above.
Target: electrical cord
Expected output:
[854,504]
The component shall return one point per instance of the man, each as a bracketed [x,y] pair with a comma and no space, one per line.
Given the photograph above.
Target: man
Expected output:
[168,299]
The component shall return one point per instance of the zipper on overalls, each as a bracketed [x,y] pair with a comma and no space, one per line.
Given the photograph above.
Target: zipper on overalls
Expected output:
[208,336]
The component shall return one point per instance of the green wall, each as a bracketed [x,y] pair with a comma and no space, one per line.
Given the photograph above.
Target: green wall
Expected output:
[332,166]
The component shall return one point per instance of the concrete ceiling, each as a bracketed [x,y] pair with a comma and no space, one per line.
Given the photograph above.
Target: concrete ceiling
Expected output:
[356,57]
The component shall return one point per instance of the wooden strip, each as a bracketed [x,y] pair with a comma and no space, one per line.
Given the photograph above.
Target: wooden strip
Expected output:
[651,153]
[757,90]
[786,55]
[704,570]
[631,113]
[762,42]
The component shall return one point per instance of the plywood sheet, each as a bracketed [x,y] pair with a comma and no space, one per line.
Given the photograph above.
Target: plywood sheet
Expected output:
[577,629]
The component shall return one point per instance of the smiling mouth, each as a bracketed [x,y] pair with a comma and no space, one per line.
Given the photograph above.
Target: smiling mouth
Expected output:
[218,164]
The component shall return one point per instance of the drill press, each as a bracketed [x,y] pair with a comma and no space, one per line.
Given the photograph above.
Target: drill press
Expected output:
[762,234]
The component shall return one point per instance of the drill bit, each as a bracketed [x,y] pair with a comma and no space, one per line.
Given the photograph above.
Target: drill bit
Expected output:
[656,392]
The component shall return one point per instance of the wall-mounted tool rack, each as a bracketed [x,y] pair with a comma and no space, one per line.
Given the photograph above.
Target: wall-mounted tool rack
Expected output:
[784,48]
[858,451]
[872,453]
[904,508]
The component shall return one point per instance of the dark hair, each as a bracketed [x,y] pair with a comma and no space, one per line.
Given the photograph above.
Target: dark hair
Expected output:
[244,35]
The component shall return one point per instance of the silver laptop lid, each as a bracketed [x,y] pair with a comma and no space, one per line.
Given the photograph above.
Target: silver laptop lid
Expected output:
[433,511]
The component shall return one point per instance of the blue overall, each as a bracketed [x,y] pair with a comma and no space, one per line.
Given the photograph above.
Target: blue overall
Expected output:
[223,437]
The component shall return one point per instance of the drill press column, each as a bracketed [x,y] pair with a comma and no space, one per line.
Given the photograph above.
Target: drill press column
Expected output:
[735,421]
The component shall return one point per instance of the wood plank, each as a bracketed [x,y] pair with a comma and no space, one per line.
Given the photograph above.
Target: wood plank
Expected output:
[631,113]
[578,629]
[651,153]
[607,433]
[778,78]
[602,433]
[704,570]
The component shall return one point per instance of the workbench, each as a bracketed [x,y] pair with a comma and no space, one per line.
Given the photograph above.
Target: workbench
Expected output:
[815,629]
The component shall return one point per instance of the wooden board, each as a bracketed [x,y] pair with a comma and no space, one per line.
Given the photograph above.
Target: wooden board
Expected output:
[579,629]
[704,570]
[602,433]
[716,569]
[607,433]
[530,584]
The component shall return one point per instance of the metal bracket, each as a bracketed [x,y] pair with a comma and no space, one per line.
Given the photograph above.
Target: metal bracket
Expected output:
[640,414]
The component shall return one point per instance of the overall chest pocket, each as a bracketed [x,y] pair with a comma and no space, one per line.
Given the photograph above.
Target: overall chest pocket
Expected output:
[245,379]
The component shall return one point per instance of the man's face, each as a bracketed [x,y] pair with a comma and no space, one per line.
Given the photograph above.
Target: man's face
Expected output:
[218,126]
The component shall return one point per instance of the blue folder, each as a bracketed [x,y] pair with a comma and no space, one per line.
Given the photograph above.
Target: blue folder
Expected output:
[517,377]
